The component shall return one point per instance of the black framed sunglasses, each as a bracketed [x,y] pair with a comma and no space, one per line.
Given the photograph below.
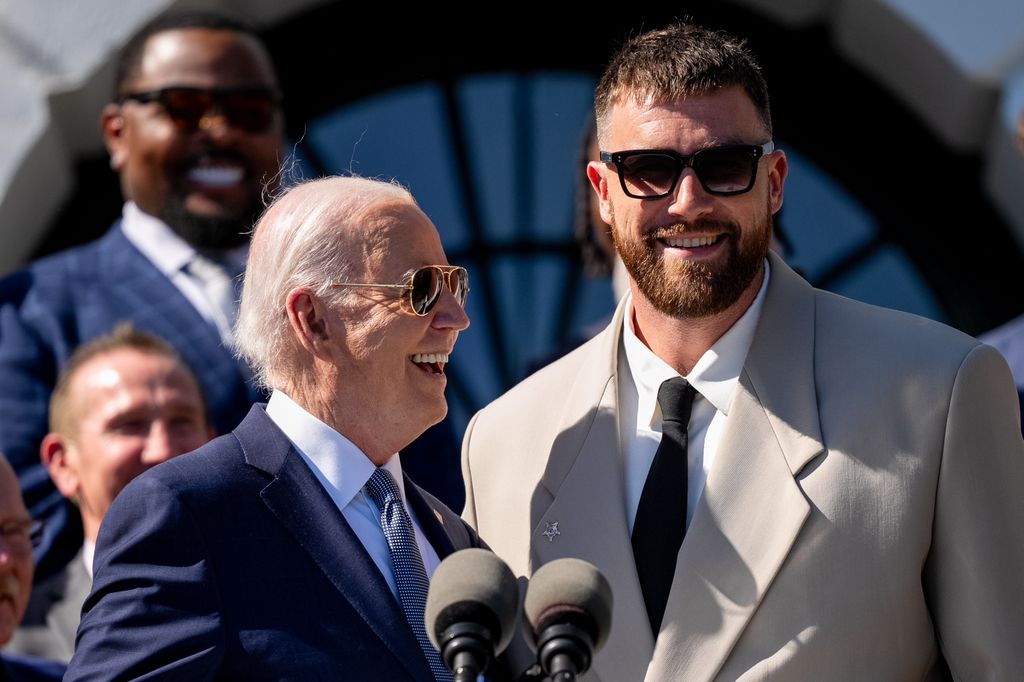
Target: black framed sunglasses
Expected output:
[422,290]
[654,173]
[250,109]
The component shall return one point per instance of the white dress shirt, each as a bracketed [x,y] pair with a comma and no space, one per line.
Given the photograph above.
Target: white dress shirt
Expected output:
[715,375]
[171,255]
[343,470]
[88,553]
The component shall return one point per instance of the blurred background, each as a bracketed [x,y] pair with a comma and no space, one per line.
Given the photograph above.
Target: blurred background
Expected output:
[899,118]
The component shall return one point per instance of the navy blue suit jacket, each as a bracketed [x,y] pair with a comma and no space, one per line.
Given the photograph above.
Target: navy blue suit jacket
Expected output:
[233,563]
[15,668]
[62,301]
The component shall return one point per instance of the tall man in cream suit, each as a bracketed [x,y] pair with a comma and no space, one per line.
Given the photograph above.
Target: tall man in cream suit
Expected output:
[854,479]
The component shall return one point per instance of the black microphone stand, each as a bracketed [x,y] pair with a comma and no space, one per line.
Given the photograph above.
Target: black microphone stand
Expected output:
[564,651]
[467,650]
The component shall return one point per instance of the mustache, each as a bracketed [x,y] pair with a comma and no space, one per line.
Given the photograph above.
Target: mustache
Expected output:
[697,226]
[10,587]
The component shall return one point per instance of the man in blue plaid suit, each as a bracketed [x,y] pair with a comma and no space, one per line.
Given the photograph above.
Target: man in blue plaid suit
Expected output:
[195,133]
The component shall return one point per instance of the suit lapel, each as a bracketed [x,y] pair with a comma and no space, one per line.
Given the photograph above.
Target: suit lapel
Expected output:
[584,478]
[135,290]
[305,509]
[431,521]
[752,509]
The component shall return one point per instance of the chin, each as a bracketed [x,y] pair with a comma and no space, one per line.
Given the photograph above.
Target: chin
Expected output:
[433,413]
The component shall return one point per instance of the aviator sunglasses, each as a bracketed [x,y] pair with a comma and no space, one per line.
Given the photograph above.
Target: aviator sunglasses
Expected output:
[654,173]
[422,290]
[250,109]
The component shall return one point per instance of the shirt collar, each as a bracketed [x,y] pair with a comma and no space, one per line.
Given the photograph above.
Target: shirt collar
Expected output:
[164,248]
[157,242]
[714,376]
[340,465]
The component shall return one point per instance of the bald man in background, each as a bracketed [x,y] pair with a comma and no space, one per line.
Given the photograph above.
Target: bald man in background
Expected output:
[126,402]
[16,581]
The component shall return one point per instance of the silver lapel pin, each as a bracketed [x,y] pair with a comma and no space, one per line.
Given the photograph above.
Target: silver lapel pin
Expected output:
[551,531]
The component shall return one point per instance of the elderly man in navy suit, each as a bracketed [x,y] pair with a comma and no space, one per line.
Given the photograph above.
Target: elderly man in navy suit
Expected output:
[195,133]
[294,548]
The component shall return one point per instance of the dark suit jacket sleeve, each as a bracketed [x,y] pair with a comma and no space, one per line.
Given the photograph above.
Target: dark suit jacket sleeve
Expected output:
[155,610]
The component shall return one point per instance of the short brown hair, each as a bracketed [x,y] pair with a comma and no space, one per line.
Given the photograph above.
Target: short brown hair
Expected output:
[123,337]
[679,61]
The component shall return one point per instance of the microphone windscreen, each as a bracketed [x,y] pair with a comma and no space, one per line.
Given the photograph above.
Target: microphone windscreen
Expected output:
[569,590]
[475,586]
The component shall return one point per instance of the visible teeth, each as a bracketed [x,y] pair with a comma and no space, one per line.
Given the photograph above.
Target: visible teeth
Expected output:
[429,358]
[216,176]
[689,242]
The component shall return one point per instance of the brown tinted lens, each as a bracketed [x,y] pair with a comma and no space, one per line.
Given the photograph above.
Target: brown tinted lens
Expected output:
[186,106]
[249,111]
[252,112]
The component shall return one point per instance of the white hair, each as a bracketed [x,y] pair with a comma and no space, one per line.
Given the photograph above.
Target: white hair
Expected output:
[297,243]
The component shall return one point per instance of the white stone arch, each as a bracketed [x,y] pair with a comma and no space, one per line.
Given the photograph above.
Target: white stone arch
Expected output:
[960,67]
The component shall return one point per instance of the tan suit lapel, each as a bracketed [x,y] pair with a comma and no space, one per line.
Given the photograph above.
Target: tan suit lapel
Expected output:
[752,509]
[584,478]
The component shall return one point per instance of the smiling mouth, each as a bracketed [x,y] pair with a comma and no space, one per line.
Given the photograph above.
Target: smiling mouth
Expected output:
[216,176]
[430,362]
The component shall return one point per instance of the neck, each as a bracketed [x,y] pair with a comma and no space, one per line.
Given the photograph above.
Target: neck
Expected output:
[681,341]
[359,423]
[90,527]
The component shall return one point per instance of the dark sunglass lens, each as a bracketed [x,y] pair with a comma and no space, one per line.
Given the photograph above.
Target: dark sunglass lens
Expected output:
[252,112]
[186,107]
[725,170]
[426,287]
[648,175]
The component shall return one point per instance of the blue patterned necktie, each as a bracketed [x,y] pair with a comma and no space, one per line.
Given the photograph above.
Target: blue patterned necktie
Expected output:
[410,575]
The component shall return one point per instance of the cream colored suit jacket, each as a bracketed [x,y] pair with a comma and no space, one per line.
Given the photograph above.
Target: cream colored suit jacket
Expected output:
[863,520]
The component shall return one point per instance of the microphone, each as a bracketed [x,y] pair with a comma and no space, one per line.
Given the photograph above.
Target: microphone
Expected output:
[569,614]
[471,611]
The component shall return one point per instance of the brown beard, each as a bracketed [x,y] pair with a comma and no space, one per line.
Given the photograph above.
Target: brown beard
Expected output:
[696,289]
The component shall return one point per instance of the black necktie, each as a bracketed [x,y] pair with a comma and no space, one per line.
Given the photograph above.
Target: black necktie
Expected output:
[660,523]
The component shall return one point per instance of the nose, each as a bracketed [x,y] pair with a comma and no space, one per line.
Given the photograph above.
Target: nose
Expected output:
[215,123]
[159,444]
[449,314]
[689,200]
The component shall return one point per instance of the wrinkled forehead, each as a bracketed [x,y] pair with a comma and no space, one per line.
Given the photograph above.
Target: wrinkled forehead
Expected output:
[395,237]
[114,376]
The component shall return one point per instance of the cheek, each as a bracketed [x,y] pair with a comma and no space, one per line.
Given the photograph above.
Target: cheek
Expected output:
[25,578]
[118,457]
[265,152]
[192,439]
